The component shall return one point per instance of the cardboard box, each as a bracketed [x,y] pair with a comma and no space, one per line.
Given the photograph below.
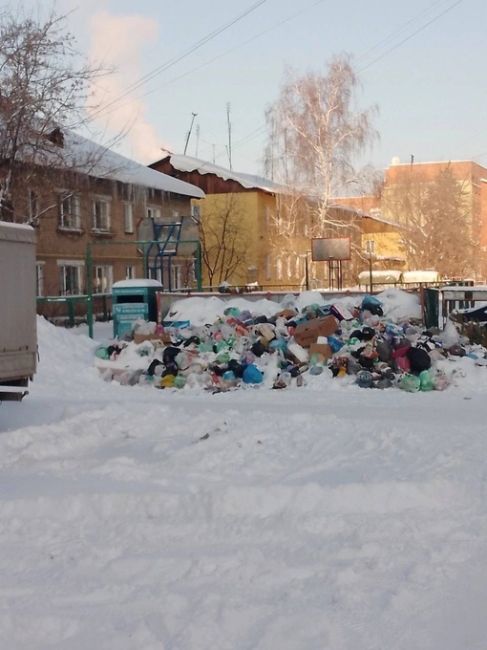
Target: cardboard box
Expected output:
[287,314]
[322,350]
[155,338]
[307,333]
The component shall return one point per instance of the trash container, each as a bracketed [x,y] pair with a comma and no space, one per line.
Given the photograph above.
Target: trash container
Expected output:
[133,300]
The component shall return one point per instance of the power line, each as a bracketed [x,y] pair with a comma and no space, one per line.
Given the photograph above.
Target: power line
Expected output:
[232,49]
[417,31]
[386,39]
[171,62]
[400,29]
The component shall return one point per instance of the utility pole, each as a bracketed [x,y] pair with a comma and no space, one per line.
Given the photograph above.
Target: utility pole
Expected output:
[229,125]
[189,132]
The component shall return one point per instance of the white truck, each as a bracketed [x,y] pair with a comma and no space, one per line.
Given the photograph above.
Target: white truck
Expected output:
[18,335]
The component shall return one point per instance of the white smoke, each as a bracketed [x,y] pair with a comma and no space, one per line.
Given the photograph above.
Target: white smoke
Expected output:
[118,41]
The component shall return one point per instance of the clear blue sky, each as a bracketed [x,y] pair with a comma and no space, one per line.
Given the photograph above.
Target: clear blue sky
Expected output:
[431,91]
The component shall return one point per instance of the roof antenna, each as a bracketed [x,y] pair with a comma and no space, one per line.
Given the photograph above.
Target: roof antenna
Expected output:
[189,132]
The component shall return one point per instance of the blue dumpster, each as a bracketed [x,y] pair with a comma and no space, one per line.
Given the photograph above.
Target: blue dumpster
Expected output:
[133,300]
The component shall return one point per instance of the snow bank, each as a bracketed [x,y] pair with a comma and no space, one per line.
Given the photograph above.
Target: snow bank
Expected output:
[398,305]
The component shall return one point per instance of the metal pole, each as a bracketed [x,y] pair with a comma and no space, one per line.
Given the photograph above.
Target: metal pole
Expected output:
[89,289]
[198,267]
[370,273]
[307,273]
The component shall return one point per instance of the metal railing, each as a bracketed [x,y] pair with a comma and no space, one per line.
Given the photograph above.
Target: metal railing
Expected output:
[73,310]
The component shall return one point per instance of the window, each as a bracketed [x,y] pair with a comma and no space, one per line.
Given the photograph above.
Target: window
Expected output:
[279,268]
[101,214]
[128,217]
[39,278]
[69,212]
[268,270]
[153,213]
[269,218]
[103,278]
[196,212]
[33,206]
[175,277]
[70,278]
[130,272]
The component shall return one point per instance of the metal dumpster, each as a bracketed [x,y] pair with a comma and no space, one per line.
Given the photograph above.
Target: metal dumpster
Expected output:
[133,300]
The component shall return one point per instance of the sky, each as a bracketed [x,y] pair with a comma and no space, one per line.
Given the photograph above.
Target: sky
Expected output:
[421,63]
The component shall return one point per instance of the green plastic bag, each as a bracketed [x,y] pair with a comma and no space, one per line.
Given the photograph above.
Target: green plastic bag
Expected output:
[102,352]
[426,381]
[410,383]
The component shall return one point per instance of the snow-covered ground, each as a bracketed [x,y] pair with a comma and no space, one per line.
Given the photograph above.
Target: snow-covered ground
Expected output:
[326,516]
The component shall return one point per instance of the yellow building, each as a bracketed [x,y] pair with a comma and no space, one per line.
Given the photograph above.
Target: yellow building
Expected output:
[255,232]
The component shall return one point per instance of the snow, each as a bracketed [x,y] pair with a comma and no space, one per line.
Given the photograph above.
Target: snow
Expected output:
[96,160]
[318,517]
[249,181]
[420,276]
[17,232]
[397,305]
[129,284]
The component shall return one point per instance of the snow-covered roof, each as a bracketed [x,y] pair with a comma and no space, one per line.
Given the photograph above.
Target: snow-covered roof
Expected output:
[132,284]
[374,215]
[248,181]
[89,157]
[378,217]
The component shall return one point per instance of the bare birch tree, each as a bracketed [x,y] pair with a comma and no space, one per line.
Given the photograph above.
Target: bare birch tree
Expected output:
[43,87]
[315,135]
[224,242]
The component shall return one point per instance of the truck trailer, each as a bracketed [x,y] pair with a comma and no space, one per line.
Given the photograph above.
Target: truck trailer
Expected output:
[18,335]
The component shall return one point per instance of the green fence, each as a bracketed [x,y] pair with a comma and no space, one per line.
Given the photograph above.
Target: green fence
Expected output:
[72,310]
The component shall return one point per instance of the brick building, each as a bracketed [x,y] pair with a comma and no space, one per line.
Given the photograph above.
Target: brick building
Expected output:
[103,199]
[471,178]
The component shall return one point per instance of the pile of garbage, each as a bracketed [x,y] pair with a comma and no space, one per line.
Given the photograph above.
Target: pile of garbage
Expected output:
[242,348]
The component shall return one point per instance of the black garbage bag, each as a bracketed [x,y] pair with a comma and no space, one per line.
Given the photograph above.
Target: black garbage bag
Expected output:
[419,359]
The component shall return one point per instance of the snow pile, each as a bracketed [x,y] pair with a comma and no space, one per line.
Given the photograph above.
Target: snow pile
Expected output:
[204,311]
[61,354]
[398,305]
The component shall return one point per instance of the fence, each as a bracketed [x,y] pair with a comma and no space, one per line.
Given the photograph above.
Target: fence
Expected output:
[73,310]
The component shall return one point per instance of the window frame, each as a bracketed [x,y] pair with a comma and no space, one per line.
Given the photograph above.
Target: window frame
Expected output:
[33,205]
[40,276]
[105,201]
[74,213]
[128,217]
[153,208]
[79,266]
[105,278]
